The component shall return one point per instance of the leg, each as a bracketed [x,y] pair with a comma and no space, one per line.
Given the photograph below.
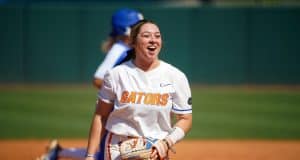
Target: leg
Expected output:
[52,153]
[79,153]
[72,153]
[55,151]
[112,147]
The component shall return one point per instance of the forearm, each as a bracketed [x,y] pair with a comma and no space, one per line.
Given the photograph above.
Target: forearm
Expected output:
[95,135]
[181,127]
[97,129]
[184,122]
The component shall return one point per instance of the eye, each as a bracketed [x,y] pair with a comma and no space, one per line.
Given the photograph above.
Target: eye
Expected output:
[157,35]
[146,35]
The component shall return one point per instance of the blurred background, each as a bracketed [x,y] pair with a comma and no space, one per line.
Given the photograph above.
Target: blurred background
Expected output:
[50,50]
[212,41]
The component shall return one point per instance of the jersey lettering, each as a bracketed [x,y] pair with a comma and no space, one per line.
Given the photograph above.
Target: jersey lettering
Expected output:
[144,98]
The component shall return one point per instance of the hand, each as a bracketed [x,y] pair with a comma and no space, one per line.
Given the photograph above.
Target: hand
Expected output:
[161,148]
[154,154]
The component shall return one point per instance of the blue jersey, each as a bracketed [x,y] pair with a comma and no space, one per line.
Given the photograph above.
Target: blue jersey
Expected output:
[114,56]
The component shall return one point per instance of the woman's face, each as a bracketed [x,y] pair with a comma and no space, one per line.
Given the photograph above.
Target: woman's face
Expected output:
[148,43]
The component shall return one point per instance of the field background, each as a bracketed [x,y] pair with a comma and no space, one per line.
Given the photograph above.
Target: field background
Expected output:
[60,111]
[241,57]
[229,122]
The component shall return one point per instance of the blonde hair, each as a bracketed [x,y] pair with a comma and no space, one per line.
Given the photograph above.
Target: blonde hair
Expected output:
[108,43]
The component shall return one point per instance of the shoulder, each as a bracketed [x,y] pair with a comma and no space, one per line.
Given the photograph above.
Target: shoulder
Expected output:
[122,68]
[119,73]
[118,47]
[174,75]
[171,69]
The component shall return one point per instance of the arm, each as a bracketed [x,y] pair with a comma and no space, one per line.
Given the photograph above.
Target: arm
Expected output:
[184,121]
[112,58]
[182,112]
[97,83]
[182,126]
[98,127]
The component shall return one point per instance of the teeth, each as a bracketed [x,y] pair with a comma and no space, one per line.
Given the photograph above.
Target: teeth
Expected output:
[151,47]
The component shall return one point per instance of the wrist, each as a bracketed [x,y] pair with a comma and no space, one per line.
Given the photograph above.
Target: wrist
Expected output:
[176,135]
[88,155]
[169,144]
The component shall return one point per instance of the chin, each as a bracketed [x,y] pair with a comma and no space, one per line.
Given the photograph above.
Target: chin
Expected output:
[152,54]
[152,57]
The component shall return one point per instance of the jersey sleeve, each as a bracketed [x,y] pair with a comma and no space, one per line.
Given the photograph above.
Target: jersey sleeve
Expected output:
[106,92]
[108,63]
[182,98]
[117,53]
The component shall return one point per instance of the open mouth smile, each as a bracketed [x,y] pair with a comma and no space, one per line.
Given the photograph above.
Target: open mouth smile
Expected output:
[151,48]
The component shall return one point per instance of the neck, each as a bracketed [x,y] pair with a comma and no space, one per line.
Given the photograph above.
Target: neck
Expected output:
[146,66]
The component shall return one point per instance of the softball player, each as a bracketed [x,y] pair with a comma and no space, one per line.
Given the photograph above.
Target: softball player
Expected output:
[138,98]
[116,47]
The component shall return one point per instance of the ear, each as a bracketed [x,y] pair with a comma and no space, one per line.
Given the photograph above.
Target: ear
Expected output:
[131,44]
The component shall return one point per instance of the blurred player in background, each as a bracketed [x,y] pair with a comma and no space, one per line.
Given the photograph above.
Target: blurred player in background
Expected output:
[137,100]
[115,47]
[117,44]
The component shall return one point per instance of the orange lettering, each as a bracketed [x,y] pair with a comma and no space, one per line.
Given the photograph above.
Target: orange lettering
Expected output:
[147,98]
[132,97]
[140,96]
[164,99]
[152,99]
[124,97]
[156,98]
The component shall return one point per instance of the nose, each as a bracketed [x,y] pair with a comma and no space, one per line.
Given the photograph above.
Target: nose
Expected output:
[152,38]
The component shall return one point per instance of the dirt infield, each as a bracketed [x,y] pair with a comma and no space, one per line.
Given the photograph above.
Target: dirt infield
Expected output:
[186,150]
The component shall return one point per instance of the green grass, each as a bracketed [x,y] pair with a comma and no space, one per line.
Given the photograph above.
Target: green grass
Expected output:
[218,113]
[41,112]
[242,113]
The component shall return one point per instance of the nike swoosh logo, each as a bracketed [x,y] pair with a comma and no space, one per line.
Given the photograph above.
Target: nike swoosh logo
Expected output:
[164,84]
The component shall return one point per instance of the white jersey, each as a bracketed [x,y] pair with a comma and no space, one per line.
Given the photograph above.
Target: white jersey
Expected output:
[143,100]
[114,56]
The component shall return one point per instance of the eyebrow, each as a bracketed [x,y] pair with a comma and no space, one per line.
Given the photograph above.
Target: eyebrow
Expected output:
[149,32]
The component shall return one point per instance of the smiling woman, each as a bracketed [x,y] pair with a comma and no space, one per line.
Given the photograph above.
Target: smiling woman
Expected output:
[146,41]
[133,103]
